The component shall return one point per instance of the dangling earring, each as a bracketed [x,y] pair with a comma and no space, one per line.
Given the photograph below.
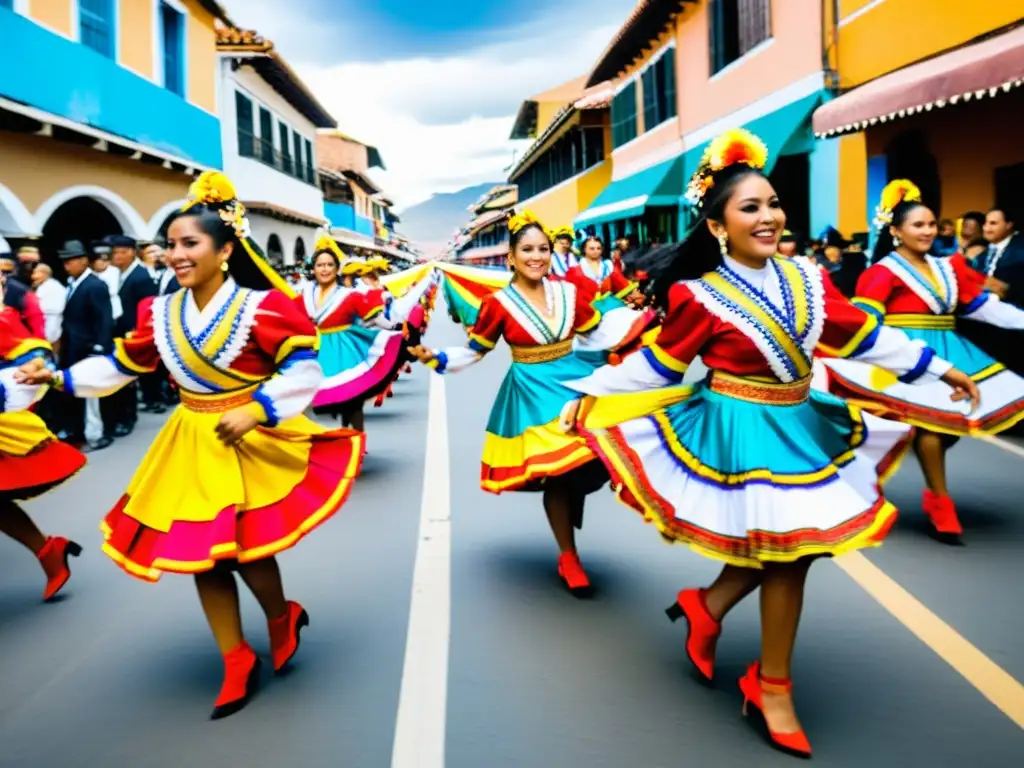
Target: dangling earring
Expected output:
[223,266]
[723,243]
[896,242]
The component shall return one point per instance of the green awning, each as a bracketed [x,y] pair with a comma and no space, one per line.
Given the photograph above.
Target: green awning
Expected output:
[786,131]
[659,185]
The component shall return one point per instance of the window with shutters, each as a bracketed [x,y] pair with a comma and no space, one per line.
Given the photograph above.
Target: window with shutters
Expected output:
[579,150]
[736,27]
[172,28]
[624,116]
[96,25]
[246,127]
[286,148]
[659,86]
[310,177]
[266,136]
[297,143]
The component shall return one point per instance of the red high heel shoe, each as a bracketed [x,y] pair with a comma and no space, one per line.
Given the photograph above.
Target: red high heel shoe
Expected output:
[572,574]
[752,685]
[942,512]
[702,630]
[284,634]
[54,559]
[241,678]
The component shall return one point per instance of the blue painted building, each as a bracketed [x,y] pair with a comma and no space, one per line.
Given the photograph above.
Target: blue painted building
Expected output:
[109,108]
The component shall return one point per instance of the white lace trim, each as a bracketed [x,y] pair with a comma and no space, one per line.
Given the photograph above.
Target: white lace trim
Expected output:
[816,297]
[942,270]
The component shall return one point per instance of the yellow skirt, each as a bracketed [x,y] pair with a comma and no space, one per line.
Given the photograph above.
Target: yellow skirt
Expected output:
[32,460]
[194,501]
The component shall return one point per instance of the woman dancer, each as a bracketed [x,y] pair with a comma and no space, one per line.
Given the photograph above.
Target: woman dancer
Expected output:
[237,474]
[526,448]
[32,460]
[751,467]
[362,346]
[922,295]
[562,257]
[596,278]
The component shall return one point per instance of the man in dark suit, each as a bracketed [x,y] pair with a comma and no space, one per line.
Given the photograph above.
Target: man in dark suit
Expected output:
[136,284]
[1002,265]
[88,331]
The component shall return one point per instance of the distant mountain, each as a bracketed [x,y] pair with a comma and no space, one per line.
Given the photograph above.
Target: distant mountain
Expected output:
[436,219]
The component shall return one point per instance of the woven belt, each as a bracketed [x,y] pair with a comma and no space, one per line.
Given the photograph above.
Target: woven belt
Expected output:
[754,391]
[218,403]
[935,322]
[544,354]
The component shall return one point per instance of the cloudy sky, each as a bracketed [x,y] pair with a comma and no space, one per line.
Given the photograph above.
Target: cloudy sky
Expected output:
[434,85]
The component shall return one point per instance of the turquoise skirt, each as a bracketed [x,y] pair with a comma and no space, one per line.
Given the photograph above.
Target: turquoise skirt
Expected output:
[524,443]
[358,363]
[928,405]
[748,482]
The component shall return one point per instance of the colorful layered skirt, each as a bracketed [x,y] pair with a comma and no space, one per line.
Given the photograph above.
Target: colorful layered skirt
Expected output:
[525,443]
[358,364]
[749,472]
[929,405]
[32,459]
[195,501]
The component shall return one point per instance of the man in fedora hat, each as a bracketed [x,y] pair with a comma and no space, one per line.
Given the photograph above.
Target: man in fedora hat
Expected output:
[88,331]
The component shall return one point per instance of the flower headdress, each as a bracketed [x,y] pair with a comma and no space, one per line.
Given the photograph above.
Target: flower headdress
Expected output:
[324,242]
[564,231]
[517,221]
[214,188]
[737,145]
[895,192]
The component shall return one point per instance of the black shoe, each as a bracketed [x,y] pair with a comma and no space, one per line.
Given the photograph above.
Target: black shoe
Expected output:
[99,445]
[122,430]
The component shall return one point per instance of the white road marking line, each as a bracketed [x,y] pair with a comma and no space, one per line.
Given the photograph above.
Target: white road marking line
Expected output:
[422,704]
[1006,445]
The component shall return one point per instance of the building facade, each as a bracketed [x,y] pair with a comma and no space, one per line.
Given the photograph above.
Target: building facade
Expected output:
[484,241]
[269,120]
[566,166]
[683,71]
[939,105]
[107,110]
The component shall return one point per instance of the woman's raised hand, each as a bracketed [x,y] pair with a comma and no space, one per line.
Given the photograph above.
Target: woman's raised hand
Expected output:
[421,353]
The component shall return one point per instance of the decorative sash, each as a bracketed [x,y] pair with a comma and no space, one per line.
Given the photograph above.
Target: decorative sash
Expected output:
[562,298]
[938,289]
[206,358]
[786,336]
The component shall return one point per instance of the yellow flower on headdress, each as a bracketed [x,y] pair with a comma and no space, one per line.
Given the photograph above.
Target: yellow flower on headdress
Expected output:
[211,187]
[895,192]
[327,243]
[564,231]
[737,145]
[522,219]
[214,188]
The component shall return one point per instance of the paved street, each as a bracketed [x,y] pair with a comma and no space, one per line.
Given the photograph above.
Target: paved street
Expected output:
[124,673]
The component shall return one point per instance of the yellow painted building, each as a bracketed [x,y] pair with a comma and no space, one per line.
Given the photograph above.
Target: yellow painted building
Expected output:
[930,91]
[116,114]
[568,165]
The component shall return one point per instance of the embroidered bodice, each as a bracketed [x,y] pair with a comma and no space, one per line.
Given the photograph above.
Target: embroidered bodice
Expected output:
[895,286]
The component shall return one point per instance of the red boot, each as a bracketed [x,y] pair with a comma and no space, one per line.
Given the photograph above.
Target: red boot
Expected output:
[703,632]
[54,559]
[571,571]
[241,677]
[942,512]
[284,634]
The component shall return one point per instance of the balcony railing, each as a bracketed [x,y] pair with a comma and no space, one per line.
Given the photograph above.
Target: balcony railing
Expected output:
[255,148]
